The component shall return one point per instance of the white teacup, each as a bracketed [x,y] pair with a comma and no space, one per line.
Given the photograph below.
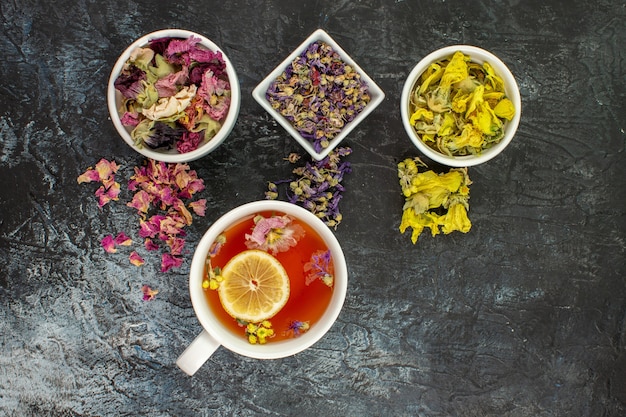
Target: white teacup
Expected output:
[215,334]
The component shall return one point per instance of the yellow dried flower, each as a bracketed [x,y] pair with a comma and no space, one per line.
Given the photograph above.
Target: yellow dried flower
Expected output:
[428,194]
[459,107]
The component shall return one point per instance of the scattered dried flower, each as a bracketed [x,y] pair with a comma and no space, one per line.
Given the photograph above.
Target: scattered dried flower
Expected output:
[123,240]
[161,192]
[169,261]
[104,172]
[163,188]
[135,259]
[108,243]
[318,186]
[428,195]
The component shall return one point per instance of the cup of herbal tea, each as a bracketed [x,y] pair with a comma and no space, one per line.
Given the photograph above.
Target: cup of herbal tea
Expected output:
[267,280]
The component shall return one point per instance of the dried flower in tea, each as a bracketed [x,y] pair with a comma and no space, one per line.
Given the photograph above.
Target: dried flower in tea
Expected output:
[298,327]
[274,234]
[320,267]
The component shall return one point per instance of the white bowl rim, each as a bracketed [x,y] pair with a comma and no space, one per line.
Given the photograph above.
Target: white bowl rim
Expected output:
[174,156]
[376,94]
[278,349]
[478,55]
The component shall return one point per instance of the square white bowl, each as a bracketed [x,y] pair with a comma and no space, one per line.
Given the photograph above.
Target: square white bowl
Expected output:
[376,95]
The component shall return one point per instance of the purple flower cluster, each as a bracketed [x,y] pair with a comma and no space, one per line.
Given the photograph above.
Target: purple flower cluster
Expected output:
[318,186]
[319,94]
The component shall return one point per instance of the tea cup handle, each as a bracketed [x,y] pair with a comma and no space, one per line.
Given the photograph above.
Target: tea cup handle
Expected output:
[197,353]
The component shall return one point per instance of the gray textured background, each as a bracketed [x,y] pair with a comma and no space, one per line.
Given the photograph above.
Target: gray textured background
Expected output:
[523,316]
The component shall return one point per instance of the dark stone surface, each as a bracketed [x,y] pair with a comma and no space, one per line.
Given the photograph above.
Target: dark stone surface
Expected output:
[523,316]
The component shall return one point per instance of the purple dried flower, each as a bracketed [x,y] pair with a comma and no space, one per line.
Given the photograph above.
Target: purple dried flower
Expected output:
[318,93]
[129,83]
[318,186]
[162,135]
[320,267]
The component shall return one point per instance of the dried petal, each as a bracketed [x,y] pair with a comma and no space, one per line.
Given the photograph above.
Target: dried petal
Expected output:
[148,293]
[168,262]
[198,207]
[108,243]
[123,240]
[135,259]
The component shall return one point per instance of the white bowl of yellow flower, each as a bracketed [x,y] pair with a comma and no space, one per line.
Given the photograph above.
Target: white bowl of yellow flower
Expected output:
[173,95]
[460,106]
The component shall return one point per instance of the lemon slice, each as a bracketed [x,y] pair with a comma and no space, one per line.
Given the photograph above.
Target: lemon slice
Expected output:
[255,286]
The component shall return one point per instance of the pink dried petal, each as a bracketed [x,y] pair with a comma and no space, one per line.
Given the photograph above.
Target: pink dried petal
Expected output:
[135,259]
[148,293]
[130,119]
[170,226]
[198,207]
[167,197]
[151,227]
[108,194]
[108,243]
[150,245]
[179,206]
[88,176]
[160,172]
[189,141]
[176,245]
[195,186]
[122,239]
[168,85]
[168,261]
[106,169]
[141,201]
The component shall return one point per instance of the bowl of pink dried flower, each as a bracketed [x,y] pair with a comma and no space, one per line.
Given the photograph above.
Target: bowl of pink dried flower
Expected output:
[173,95]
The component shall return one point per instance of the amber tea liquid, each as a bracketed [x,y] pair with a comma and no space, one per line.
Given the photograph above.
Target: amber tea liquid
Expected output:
[306,302]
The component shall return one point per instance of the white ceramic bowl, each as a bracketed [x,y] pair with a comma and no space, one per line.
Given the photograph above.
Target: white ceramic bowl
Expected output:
[224,337]
[511,89]
[171,155]
[376,94]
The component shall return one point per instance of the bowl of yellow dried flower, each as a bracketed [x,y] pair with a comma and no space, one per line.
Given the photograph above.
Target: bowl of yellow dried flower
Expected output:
[460,106]
[173,95]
